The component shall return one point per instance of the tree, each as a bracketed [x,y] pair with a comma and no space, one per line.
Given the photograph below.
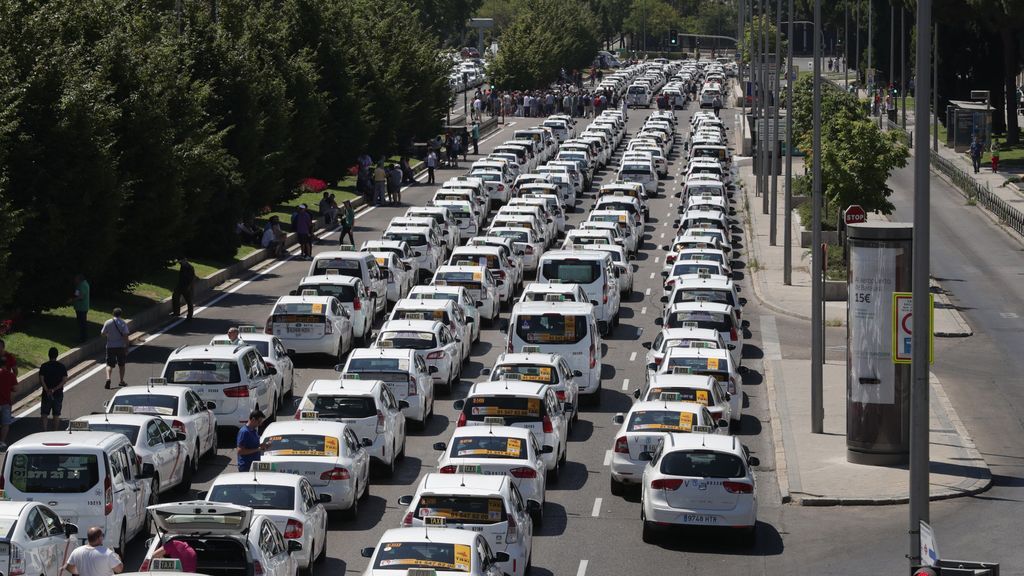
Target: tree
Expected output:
[651,17]
[446,18]
[750,37]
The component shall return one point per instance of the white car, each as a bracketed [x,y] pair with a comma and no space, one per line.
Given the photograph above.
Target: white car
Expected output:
[399,277]
[488,504]
[524,239]
[228,539]
[623,262]
[273,353]
[432,341]
[400,249]
[326,453]
[288,500]
[685,337]
[492,258]
[713,362]
[700,480]
[706,314]
[537,367]
[353,295]
[439,550]
[346,261]
[427,248]
[368,407]
[456,294]
[553,292]
[154,442]
[312,324]
[444,311]
[534,408]
[642,431]
[180,407]
[480,284]
[404,372]
[35,539]
[699,388]
[507,247]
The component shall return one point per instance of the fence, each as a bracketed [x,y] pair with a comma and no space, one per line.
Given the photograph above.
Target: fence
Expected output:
[1007,215]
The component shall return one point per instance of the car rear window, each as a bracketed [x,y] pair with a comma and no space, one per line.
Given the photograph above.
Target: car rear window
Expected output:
[719,296]
[336,407]
[572,270]
[341,292]
[420,314]
[704,319]
[635,169]
[551,328]
[660,421]
[686,394]
[515,235]
[513,409]
[258,496]
[155,404]
[488,447]
[528,372]
[344,266]
[703,464]
[202,372]
[299,311]
[437,555]
[53,473]
[681,269]
[409,340]
[465,509]
[711,366]
[410,238]
[302,445]
[129,431]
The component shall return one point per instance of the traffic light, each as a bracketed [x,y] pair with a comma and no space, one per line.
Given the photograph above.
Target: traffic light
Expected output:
[673,37]
[925,571]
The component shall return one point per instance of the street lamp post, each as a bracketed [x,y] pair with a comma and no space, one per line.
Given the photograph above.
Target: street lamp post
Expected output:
[774,204]
[871,79]
[762,27]
[787,221]
[935,89]
[817,317]
[903,64]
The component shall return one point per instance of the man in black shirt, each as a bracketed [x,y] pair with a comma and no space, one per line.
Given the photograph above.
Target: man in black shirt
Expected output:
[52,375]
[185,287]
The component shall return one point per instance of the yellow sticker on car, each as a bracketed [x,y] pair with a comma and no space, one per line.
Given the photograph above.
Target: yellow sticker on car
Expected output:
[382,261]
[702,397]
[330,446]
[318,308]
[712,363]
[462,558]
[685,421]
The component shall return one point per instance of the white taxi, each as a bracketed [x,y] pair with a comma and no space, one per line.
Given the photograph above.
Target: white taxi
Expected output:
[154,443]
[525,240]
[456,294]
[444,311]
[714,362]
[490,505]
[533,367]
[644,427]
[312,324]
[689,336]
[480,284]
[398,248]
[327,453]
[399,277]
[700,480]
[405,374]
[35,540]
[699,388]
[433,550]
[288,500]
[353,295]
[432,341]
[553,292]
[706,314]
[492,258]
[427,248]
[274,354]
[346,261]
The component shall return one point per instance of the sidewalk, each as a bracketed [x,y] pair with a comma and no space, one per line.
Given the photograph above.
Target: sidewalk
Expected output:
[812,469]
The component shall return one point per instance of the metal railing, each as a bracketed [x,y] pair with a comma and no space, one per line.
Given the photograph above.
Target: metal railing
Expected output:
[969,186]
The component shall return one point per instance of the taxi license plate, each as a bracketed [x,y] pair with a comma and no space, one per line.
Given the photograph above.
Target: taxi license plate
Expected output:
[470,469]
[652,448]
[700,519]
[298,329]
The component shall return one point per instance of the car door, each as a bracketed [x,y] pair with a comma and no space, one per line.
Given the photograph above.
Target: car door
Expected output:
[274,550]
[316,513]
[523,519]
[394,417]
[36,551]
[56,544]
[451,346]
[267,386]
[558,418]
[342,323]
[205,421]
[176,450]
[162,462]
[285,364]
[134,491]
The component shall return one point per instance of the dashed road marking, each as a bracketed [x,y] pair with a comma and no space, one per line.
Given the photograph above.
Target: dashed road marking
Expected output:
[625,386]
[652,275]
[643,311]
[583,566]
[647,292]
[657,259]
[662,235]
[595,512]
[632,356]
[607,457]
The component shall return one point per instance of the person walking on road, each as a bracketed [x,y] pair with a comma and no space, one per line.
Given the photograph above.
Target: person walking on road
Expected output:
[80,302]
[716,103]
[93,558]
[380,184]
[395,184]
[476,138]
[975,151]
[995,156]
[248,441]
[184,289]
[348,219]
[8,381]
[115,330]
[53,375]
[304,231]
[431,166]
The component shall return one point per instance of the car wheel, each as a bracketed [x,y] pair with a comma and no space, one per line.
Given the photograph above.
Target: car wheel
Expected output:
[555,473]
[389,468]
[155,483]
[538,517]
[122,542]
[352,511]
[750,536]
[214,444]
[310,570]
[186,478]
[195,459]
[650,531]
[617,488]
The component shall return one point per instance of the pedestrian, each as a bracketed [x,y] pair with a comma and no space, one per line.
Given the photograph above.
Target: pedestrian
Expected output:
[456,150]
[395,184]
[380,184]
[233,338]
[476,138]
[248,441]
[116,332]
[180,550]
[53,375]
[325,208]
[716,103]
[431,166]
[348,218]
[273,237]
[8,381]
[304,230]
[80,303]
[478,107]
[408,177]
[975,151]
[184,289]
[247,233]
[995,156]
[464,144]
[449,145]
[93,558]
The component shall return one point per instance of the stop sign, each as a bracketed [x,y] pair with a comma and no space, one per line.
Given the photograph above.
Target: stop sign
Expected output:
[855,214]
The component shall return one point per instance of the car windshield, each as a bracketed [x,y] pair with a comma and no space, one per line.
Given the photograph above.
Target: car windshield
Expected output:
[258,496]
[551,328]
[437,555]
[695,268]
[53,473]
[155,404]
[635,169]
[715,367]
[337,407]
[130,432]
[515,235]
[202,372]
[703,465]
[488,447]
[660,421]
[572,270]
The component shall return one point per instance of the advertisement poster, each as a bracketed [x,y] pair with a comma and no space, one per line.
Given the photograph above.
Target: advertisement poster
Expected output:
[872,282]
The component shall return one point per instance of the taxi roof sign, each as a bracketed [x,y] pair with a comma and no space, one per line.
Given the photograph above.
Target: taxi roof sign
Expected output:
[157,381]
[260,466]
[671,396]
[332,272]
[309,415]
[701,429]
[308,292]
[346,248]
[531,349]
[494,420]
[165,565]
[123,409]
[681,370]
[249,329]
[78,426]
[435,521]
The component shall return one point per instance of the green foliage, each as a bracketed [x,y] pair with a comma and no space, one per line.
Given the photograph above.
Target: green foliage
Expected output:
[655,17]
[750,37]
[545,36]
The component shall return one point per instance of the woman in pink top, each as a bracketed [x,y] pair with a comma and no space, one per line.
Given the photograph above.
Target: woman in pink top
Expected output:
[182,551]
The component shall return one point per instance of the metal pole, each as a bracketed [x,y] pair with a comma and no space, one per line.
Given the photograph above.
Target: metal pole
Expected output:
[773,219]
[817,319]
[903,64]
[871,45]
[645,28]
[935,89]
[919,413]
[766,96]
[856,30]
[892,44]
[846,45]
[787,222]
[741,45]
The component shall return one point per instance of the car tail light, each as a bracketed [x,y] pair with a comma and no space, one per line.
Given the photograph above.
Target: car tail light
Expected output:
[269,327]
[667,484]
[145,566]
[328,327]
[658,361]
[449,469]
[670,284]
[357,304]
[293,530]
[380,422]
[336,473]
[560,394]
[523,472]
[732,334]
[108,496]
[512,534]
[593,355]
[18,561]
[407,521]
[670,258]
[178,426]
[257,568]
[435,355]
[501,187]
[732,386]
[548,428]
[621,445]
[237,392]
[738,487]
[412,387]
[462,420]
[529,249]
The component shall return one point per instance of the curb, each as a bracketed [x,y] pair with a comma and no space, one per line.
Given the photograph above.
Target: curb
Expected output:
[943,303]
[781,464]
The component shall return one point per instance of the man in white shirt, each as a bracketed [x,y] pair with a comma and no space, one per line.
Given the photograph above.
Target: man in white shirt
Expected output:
[93,558]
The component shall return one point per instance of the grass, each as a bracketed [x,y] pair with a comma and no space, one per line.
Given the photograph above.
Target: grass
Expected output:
[836,264]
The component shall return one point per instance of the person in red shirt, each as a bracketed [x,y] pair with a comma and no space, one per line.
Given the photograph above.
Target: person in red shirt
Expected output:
[182,551]
[8,380]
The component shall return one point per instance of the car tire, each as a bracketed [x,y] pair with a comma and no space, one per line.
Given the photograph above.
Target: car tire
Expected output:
[389,468]
[155,483]
[650,530]
[555,473]
[195,460]
[121,544]
[538,518]
[750,536]
[214,444]
[352,512]
[617,488]
[186,478]
[309,570]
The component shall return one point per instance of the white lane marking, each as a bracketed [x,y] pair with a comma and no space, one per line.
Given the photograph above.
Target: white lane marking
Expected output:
[632,356]
[643,311]
[657,259]
[1010,315]
[662,235]
[647,292]
[665,223]
[770,338]
[625,385]
[583,566]
[652,275]
[597,508]
[607,457]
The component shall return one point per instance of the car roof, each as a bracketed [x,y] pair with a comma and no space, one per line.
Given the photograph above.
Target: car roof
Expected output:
[692,407]
[577,254]
[130,419]
[693,380]
[568,308]
[411,325]
[494,250]
[463,484]
[302,299]
[336,279]
[678,352]
[687,332]
[209,352]
[500,388]
[700,305]
[399,353]
[270,478]
[527,358]
[50,441]
[343,387]
[340,254]
[551,287]
[695,280]
[326,427]
[441,535]
[15,507]
[698,441]
[154,390]
[504,431]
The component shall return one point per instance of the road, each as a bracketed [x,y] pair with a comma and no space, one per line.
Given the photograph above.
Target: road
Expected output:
[601,532]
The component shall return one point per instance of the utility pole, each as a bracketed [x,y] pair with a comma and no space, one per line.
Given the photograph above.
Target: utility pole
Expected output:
[787,220]
[762,26]
[919,413]
[871,45]
[846,45]
[773,219]
[740,47]
[935,89]
[903,64]
[817,319]
[892,43]
[856,30]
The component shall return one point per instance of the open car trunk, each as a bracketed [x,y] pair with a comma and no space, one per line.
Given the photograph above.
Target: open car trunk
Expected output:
[219,556]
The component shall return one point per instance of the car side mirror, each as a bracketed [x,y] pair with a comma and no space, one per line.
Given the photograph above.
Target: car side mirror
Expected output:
[294,546]
[618,418]
[458,404]
[534,507]
[324,498]
[652,367]
[636,393]
[211,405]
[645,457]
[148,471]
[594,302]
[440,446]
[365,442]
[731,346]
[293,292]
[723,423]
[754,461]
[547,449]
[664,273]
[485,372]
[339,367]
[577,374]
[745,324]
[70,529]
[647,345]
[179,437]
[432,369]
[402,404]
[568,407]
[271,370]
[405,500]
[632,257]
[664,299]
[501,557]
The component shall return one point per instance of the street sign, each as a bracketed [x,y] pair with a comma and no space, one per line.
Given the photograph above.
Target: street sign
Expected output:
[854,214]
[929,547]
[903,324]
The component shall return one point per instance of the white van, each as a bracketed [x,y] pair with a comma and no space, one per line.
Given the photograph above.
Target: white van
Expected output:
[638,95]
[591,269]
[569,329]
[88,478]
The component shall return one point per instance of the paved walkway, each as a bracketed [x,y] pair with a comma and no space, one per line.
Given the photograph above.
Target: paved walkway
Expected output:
[812,468]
